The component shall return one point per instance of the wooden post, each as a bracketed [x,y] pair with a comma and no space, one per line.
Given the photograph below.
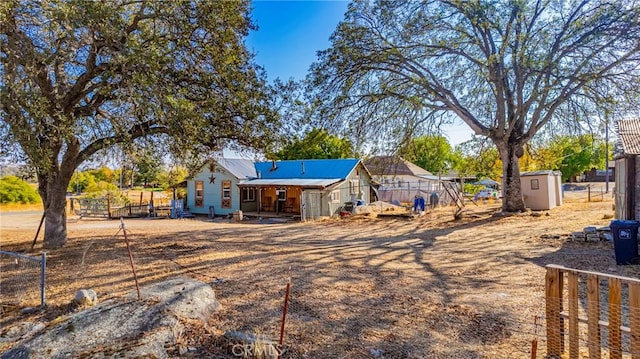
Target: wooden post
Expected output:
[140,203]
[589,193]
[109,205]
[634,319]
[553,296]
[574,334]
[593,308]
[35,238]
[284,317]
[615,342]
[133,267]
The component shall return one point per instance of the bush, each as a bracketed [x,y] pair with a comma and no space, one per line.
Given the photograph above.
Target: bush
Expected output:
[15,190]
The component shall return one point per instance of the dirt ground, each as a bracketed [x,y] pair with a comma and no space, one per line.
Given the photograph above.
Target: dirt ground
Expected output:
[429,287]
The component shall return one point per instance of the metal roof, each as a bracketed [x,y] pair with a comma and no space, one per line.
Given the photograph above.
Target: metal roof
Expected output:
[393,166]
[238,167]
[301,182]
[540,173]
[306,169]
[629,134]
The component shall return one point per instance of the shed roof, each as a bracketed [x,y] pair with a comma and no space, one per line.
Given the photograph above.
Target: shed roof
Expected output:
[540,173]
[629,134]
[306,169]
[394,166]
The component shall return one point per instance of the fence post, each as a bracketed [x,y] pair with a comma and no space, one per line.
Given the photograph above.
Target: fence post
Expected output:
[573,315]
[43,279]
[553,294]
[108,205]
[284,317]
[634,319]
[589,193]
[593,308]
[615,337]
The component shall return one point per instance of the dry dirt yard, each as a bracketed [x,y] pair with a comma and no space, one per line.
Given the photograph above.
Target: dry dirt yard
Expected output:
[361,287]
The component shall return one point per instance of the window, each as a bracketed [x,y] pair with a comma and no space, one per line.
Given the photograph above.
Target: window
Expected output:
[226,194]
[335,196]
[212,167]
[199,197]
[249,194]
[281,194]
[354,186]
[535,184]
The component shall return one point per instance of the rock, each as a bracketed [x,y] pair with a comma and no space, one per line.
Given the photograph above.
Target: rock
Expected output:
[20,330]
[129,327]
[86,297]
[29,310]
[536,214]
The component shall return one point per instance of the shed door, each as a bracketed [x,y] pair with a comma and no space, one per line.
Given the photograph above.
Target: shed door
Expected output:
[311,205]
[620,189]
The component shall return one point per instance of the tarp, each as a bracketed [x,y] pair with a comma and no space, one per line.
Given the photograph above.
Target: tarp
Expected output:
[487,182]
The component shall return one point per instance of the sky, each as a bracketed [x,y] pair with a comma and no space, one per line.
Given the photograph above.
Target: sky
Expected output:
[291,32]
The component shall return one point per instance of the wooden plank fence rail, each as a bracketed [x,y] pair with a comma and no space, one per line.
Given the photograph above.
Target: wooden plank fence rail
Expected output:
[555,298]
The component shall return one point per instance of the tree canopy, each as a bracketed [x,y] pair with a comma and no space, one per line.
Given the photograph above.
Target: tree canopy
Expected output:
[316,144]
[431,152]
[82,76]
[506,68]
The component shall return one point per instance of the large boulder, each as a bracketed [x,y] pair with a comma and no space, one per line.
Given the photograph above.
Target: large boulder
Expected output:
[125,327]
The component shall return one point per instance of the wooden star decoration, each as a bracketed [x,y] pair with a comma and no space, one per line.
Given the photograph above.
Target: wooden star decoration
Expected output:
[212,179]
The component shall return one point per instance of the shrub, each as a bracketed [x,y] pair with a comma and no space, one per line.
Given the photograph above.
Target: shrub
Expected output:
[15,190]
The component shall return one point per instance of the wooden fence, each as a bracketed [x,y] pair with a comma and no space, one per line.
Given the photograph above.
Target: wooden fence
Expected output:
[601,301]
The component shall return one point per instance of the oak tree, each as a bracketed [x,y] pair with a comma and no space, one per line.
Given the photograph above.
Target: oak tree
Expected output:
[506,68]
[79,77]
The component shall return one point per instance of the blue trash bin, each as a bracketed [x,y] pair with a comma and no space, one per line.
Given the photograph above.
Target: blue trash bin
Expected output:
[625,240]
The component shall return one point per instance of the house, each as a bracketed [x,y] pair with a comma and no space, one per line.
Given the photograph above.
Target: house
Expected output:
[306,188]
[542,190]
[400,181]
[214,189]
[625,192]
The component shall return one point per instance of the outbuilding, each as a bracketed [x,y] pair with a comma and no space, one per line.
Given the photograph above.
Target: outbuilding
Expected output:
[542,190]
[626,174]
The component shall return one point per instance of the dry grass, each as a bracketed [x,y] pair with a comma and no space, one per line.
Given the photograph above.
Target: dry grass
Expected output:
[425,288]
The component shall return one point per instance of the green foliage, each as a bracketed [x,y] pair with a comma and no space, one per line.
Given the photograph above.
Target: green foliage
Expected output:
[431,152]
[15,190]
[80,181]
[572,155]
[148,164]
[173,177]
[471,188]
[477,158]
[317,144]
[103,174]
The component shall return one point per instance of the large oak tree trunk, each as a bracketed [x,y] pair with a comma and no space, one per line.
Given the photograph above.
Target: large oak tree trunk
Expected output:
[510,153]
[53,190]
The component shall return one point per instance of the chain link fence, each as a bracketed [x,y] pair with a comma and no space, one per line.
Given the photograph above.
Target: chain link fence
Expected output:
[22,279]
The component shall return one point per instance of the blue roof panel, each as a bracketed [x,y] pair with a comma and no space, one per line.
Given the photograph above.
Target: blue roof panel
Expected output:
[316,169]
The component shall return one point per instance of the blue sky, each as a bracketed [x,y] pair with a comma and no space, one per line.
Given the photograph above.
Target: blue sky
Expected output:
[291,32]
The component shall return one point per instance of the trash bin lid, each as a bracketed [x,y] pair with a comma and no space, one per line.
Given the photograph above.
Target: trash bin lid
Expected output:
[624,223]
